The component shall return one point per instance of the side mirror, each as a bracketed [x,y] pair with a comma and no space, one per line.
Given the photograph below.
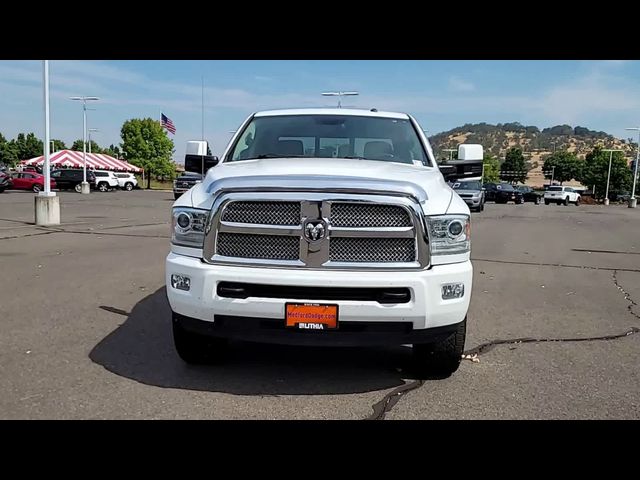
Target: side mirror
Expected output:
[470,151]
[199,163]
[448,171]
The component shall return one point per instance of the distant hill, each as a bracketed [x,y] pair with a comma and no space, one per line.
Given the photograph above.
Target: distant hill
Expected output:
[536,144]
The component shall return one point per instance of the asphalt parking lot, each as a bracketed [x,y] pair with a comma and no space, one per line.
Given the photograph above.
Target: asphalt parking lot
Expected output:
[85,326]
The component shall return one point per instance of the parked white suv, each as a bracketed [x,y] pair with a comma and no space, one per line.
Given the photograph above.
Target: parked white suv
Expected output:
[322,227]
[105,180]
[127,181]
[559,194]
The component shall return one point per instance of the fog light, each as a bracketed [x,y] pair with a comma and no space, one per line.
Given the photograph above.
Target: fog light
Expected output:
[180,282]
[452,290]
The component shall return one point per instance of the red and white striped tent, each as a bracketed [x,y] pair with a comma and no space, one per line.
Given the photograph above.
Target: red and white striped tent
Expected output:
[95,161]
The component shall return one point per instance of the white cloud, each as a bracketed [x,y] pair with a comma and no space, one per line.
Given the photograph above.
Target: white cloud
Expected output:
[458,84]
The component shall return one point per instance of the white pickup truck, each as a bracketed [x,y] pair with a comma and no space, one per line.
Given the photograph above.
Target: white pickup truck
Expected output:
[322,227]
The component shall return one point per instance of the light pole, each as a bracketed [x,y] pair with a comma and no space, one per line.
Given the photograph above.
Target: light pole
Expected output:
[47,204]
[91,130]
[84,100]
[633,200]
[606,195]
[339,95]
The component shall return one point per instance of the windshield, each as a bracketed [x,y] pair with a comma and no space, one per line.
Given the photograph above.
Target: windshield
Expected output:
[555,189]
[467,186]
[507,187]
[333,136]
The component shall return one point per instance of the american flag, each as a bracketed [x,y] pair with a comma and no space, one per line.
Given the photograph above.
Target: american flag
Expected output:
[168,124]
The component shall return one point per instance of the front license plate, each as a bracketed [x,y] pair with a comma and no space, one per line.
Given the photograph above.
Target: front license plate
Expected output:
[311,316]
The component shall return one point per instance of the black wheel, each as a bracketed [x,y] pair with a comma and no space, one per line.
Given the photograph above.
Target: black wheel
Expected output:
[566,201]
[36,188]
[577,201]
[441,359]
[519,202]
[78,188]
[546,202]
[1,189]
[481,208]
[537,201]
[197,349]
[103,186]
[128,186]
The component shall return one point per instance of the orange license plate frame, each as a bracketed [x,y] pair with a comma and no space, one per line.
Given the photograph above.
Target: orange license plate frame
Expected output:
[311,316]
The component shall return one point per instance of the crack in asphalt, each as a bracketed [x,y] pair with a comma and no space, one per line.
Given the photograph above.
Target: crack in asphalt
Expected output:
[485,347]
[115,310]
[384,406]
[603,251]
[563,265]
[26,235]
[627,295]
[49,230]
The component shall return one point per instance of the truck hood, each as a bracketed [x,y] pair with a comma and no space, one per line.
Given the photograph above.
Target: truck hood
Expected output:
[424,184]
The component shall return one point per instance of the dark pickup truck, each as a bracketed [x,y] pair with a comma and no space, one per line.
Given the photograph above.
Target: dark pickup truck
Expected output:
[184,182]
[502,193]
[529,194]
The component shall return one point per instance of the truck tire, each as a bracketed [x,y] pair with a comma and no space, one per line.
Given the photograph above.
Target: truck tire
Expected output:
[546,202]
[441,359]
[577,201]
[78,188]
[566,201]
[36,188]
[197,349]
[103,186]
[128,186]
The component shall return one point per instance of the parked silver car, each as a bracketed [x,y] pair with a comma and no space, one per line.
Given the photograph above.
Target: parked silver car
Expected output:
[471,192]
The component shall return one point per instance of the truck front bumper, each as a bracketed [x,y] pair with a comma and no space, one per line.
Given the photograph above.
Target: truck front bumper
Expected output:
[360,322]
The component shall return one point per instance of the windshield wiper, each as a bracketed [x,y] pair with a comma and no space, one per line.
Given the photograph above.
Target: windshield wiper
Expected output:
[275,155]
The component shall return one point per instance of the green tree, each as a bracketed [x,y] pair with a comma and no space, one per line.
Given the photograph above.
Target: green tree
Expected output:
[112,150]
[491,168]
[514,168]
[95,148]
[59,145]
[595,170]
[28,146]
[146,145]
[562,166]
[8,152]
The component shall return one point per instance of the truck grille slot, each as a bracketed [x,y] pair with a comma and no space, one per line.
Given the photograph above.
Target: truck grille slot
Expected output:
[263,213]
[368,215]
[360,231]
[268,247]
[372,250]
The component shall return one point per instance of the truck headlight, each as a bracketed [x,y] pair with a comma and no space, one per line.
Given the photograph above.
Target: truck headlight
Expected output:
[449,234]
[187,226]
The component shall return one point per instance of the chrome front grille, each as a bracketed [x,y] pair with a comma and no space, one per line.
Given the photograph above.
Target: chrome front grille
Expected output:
[362,231]
[263,213]
[372,250]
[368,215]
[267,247]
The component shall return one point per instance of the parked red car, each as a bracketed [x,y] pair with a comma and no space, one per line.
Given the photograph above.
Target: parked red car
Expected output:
[30,181]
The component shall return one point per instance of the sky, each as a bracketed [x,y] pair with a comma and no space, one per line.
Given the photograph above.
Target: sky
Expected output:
[600,95]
